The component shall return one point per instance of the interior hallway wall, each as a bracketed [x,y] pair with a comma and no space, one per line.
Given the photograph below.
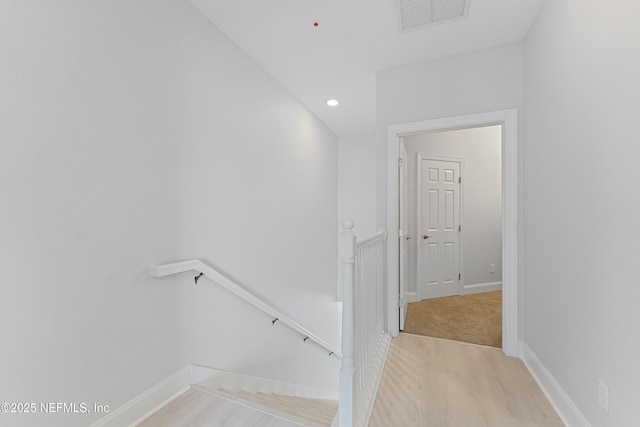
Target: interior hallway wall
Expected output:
[357,182]
[480,151]
[136,133]
[581,197]
[356,188]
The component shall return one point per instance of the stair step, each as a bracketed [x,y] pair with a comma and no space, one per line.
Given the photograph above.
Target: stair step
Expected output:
[213,379]
[195,408]
[301,411]
[317,411]
[301,405]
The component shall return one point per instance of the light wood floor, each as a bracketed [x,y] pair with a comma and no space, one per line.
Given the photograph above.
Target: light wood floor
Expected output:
[194,408]
[305,411]
[429,382]
[426,382]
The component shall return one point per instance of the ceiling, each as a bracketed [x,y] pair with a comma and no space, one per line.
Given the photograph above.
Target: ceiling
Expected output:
[339,57]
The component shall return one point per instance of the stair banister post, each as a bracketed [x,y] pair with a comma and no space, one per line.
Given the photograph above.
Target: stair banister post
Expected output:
[346,413]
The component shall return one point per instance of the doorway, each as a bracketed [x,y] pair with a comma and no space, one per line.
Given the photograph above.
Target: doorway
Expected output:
[507,119]
[455,225]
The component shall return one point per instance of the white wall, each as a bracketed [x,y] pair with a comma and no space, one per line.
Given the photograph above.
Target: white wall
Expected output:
[135,133]
[581,196]
[487,80]
[357,182]
[356,188]
[480,151]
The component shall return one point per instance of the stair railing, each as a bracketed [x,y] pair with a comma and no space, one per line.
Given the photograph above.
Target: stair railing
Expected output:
[277,316]
[363,334]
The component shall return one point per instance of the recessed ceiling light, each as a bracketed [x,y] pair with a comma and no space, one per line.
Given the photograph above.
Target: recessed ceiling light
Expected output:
[332,102]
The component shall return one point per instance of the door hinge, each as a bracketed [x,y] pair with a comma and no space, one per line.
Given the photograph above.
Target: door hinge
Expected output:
[400,162]
[459,228]
[459,180]
[459,276]
[400,302]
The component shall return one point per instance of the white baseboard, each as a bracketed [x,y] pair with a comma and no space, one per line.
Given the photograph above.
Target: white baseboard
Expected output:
[477,288]
[145,404]
[412,297]
[212,379]
[561,402]
[142,406]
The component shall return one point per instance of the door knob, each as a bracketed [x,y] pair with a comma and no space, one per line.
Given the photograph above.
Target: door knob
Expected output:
[408,237]
[425,237]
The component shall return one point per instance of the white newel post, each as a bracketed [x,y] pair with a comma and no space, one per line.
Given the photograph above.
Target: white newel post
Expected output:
[346,415]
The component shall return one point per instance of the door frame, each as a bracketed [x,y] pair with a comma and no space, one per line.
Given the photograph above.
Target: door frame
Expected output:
[403,244]
[460,161]
[510,179]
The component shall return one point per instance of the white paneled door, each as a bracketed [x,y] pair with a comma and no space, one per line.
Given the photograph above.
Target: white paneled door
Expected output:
[439,227]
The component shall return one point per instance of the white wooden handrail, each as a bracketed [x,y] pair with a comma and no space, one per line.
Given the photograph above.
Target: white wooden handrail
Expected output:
[379,235]
[236,289]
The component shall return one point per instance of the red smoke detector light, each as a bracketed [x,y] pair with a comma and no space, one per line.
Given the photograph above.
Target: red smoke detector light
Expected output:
[315,24]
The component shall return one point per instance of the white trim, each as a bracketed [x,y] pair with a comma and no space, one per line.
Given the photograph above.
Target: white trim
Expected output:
[206,379]
[559,399]
[376,237]
[211,379]
[403,212]
[253,406]
[509,121]
[148,402]
[412,297]
[478,288]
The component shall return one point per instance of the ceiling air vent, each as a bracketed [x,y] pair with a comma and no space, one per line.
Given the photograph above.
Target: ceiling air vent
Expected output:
[419,13]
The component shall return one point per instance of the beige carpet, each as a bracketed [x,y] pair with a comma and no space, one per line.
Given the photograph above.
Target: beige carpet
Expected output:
[473,318]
